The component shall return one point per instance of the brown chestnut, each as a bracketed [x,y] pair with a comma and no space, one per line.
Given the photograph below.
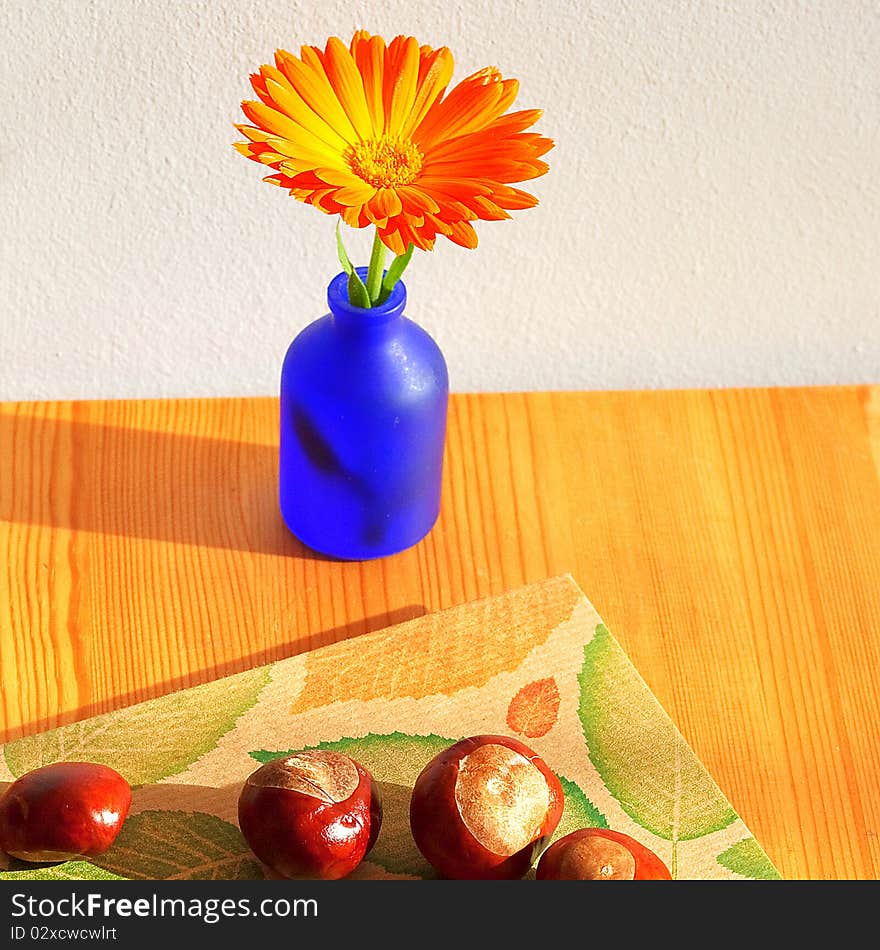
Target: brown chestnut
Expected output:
[62,811]
[600,854]
[314,814]
[484,808]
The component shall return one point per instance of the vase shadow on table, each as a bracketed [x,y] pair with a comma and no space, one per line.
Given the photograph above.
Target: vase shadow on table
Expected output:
[272,654]
[141,483]
[182,489]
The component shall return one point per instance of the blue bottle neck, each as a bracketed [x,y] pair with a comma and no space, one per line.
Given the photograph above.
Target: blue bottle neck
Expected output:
[374,319]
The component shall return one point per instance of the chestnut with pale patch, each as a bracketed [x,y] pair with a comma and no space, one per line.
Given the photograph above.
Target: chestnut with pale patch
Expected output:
[312,814]
[502,798]
[326,775]
[600,854]
[484,808]
[597,859]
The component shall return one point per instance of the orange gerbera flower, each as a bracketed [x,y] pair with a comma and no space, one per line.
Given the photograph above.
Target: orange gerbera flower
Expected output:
[366,132]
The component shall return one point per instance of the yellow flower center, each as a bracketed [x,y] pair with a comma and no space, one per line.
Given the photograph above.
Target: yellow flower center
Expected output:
[385,162]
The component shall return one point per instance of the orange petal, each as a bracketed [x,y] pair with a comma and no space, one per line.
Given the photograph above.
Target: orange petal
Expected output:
[513,199]
[310,81]
[351,215]
[393,241]
[435,71]
[500,170]
[280,180]
[325,201]
[470,106]
[488,210]
[438,224]
[459,100]
[306,157]
[259,86]
[539,144]
[384,204]
[369,55]
[358,194]
[417,199]
[515,121]
[401,77]
[463,234]
[260,153]
[457,211]
[342,178]
[348,86]
[453,186]
[488,143]
[412,232]
[271,119]
[254,134]
[251,149]
[288,100]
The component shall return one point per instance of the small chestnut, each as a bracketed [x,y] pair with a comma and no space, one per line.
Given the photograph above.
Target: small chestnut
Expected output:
[600,854]
[484,807]
[62,811]
[314,814]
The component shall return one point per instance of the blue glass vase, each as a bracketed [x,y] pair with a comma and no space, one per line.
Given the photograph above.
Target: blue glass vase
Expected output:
[364,395]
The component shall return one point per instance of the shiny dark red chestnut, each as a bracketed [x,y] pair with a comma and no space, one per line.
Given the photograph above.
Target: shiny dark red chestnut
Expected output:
[62,811]
[484,808]
[310,815]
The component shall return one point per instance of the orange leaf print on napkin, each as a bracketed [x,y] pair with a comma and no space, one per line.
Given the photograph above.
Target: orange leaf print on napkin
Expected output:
[409,668]
[534,709]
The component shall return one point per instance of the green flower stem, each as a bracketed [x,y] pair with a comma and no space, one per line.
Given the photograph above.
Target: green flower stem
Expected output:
[379,283]
[398,266]
[374,271]
[357,292]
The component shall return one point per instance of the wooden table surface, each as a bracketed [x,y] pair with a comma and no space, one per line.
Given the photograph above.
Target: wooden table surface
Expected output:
[729,538]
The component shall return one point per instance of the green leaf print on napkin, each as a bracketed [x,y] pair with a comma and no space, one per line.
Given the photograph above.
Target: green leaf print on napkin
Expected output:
[579,811]
[395,850]
[640,755]
[66,871]
[150,741]
[747,858]
[178,845]
[395,757]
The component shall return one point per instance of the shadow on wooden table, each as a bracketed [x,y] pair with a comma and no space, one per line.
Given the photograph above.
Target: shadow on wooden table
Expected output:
[252,661]
[142,483]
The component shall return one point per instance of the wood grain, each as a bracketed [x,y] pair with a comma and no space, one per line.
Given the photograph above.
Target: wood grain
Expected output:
[729,538]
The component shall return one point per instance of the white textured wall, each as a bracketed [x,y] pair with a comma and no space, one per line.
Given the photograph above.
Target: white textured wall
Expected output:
[711,216]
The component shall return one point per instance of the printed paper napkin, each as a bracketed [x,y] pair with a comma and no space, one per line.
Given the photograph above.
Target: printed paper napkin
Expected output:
[536,663]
